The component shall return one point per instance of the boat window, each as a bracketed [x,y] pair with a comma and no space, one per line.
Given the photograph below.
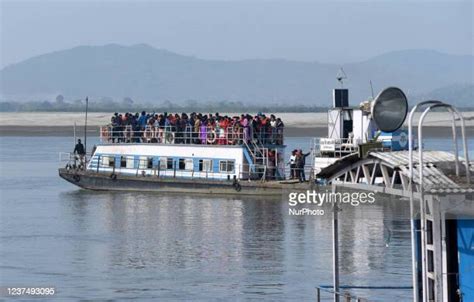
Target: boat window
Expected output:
[130,162]
[104,161]
[226,166]
[143,163]
[185,164]
[166,163]
[205,165]
[150,163]
[163,161]
[182,164]
[111,160]
[123,161]
[189,165]
[169,163]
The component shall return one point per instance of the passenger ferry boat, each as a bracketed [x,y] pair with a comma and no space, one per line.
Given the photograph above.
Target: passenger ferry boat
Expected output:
[161,159]
[222,160]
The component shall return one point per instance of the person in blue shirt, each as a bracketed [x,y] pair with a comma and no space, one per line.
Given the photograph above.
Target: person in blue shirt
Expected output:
[142,119]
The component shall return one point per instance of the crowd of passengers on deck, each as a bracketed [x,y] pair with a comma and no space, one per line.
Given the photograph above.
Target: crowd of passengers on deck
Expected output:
[197,128]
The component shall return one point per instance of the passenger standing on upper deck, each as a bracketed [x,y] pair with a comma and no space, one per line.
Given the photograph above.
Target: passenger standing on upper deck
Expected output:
[273,129]
[265,126]
[223,124]
[197,124]
[257,128]
[253,123]
[178,131]
[79,150]
[188,129]
[280,126]
[203,131]
[136,128]
[142,119]
[142,122]
[113,127]
[121,127]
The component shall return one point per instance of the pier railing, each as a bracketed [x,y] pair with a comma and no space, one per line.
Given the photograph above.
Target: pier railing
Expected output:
[189,135]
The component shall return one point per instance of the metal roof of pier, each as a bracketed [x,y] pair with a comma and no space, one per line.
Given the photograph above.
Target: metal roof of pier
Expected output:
[438,169]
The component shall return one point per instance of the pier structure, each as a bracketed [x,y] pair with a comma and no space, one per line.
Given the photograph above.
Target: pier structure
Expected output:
[439,187]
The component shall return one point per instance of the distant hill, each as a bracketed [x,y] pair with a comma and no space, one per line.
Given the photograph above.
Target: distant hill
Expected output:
[148,74]
[460,94]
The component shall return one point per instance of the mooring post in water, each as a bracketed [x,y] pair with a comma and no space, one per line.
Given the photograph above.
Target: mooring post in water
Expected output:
[335,248]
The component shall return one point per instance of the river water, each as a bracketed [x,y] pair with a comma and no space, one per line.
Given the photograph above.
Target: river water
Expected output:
[107,245]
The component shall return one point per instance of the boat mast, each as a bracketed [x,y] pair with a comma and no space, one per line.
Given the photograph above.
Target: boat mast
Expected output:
[85,127]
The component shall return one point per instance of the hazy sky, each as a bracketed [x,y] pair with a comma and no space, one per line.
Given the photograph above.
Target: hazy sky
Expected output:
[335,31]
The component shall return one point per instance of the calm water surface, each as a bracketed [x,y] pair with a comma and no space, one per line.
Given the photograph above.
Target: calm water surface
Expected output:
[106,245]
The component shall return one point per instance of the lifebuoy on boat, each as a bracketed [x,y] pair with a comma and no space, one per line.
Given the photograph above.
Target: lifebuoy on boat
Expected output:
[211,137]
[76,178]
[169,137]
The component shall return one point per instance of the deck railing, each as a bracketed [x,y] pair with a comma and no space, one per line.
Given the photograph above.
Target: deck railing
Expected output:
[74,160]
[205,135]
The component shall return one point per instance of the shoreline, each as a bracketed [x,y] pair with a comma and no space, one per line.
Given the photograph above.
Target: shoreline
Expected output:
[93,131]
[438,124]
